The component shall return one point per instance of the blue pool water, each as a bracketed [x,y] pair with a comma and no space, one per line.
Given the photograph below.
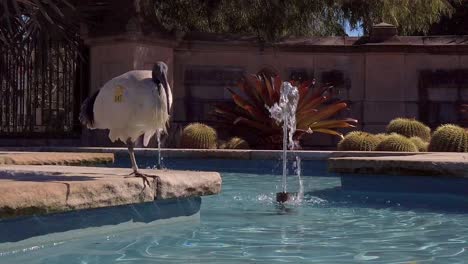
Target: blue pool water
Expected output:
[244,225]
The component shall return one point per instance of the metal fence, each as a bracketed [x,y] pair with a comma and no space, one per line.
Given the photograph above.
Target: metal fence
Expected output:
[41,91]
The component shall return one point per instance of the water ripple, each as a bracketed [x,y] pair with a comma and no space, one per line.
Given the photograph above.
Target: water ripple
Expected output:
[245,225]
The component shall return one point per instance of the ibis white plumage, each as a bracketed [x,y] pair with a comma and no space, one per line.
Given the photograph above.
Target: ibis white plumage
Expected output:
[130,105]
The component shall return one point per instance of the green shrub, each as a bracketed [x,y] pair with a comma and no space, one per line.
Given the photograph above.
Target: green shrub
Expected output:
[449,138]
[396,142]
[236,143]
[358,141]
[409,128]
[420,144]
[198,136]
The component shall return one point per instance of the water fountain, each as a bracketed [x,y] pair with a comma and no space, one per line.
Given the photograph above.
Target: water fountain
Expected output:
[285,112]
[158,138]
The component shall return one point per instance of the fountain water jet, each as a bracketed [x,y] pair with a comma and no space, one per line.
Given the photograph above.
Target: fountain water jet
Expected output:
[285,112]
[158,138]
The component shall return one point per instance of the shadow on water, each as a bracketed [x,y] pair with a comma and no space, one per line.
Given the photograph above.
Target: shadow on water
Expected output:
[420,202]
[18,229]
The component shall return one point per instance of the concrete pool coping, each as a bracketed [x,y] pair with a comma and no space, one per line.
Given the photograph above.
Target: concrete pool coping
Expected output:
[371,162]
[54,158]
[214,153]
[349,162]
[423,164]
[30,190]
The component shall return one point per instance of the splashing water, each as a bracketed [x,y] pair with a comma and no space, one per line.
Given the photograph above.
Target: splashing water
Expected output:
[300,194]
[158,138]
[285,112]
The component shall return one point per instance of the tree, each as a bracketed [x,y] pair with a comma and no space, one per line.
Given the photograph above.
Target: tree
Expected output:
[269,20]
[23,21]
[272,20]
[456,24]
[409,16]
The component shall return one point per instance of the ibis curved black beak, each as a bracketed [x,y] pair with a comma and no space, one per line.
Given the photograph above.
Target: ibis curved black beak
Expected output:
[159,75]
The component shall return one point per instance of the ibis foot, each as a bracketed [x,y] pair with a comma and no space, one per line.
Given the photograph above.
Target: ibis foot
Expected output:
[143,176]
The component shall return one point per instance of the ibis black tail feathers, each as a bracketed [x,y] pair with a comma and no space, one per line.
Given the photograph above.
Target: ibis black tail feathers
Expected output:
[87,111]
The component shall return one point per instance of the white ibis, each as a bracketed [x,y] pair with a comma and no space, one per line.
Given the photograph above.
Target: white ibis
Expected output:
[130,105]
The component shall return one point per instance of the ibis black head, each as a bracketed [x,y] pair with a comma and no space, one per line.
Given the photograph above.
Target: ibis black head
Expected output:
[159,76]
[160,73]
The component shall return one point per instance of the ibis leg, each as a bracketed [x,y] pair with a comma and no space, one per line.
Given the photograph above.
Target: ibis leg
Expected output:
[131,152]
[136,173]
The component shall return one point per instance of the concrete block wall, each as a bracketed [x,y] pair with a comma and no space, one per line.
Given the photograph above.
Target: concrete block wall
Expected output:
[380,82]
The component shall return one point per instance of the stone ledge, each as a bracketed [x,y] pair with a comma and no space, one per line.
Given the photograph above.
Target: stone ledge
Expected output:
[54,158]
[28,190]
[178,184]
[247,154]
[430,164]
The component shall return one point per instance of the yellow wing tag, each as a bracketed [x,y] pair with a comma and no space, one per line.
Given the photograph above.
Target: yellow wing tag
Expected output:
[118,94]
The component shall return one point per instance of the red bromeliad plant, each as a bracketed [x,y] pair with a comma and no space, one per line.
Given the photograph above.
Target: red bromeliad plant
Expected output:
[251,116]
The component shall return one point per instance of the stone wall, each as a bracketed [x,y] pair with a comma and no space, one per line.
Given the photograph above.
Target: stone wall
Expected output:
[420,77]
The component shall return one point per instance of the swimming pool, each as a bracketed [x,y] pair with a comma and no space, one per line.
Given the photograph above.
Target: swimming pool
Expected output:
[244,224]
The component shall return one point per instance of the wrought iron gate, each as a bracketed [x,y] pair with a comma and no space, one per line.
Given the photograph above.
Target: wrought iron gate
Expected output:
[41,91]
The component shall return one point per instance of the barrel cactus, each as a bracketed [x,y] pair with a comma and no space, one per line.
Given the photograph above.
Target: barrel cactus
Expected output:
[449,138]
[381,136]
[358,141]
[409,128]
[236,143]
[221,144]
[420,144]
[396,142]
[198,136]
